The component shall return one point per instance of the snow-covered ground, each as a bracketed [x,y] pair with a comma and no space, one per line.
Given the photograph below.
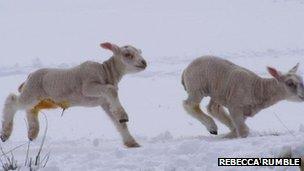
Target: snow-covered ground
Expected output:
[64,33]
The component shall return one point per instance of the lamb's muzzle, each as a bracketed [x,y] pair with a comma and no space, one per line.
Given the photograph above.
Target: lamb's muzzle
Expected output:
[143,64]
[88,84]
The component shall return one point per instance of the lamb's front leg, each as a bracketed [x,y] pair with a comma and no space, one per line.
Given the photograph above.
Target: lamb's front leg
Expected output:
[122,128]
[238,120]
[116,108]
[109,92]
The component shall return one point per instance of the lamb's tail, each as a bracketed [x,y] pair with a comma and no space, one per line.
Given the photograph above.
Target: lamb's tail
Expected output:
[183,82]
[20,87]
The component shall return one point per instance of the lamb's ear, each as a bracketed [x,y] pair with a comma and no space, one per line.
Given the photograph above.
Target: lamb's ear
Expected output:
[294,69]
[110,46]
[276,74]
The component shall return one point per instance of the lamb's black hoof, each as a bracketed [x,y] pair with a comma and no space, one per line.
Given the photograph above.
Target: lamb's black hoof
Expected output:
[123,120]
[213,132]
[31,139]
[3,138]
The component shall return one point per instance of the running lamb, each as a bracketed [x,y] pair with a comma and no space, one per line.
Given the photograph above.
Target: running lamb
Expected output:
[241,91]
[88,84]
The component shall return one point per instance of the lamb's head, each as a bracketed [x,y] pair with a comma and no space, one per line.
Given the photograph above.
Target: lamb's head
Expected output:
[129,56]
[292,82]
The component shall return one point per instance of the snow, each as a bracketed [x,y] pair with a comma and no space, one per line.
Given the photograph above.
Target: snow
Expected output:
[170,33]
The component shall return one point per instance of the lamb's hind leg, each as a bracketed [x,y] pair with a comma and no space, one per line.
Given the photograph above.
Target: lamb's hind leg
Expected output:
[12,104]
[33,123]
[192,106]
[122,128]
[217,111]
[10,108]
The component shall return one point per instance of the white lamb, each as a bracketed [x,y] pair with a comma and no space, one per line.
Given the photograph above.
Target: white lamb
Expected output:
[243,92]
[88,84]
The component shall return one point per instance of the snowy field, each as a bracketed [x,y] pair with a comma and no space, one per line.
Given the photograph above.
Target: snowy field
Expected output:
[64,33]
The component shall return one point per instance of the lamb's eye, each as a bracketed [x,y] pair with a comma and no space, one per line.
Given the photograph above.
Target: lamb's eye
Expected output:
[129,55]
[291,84]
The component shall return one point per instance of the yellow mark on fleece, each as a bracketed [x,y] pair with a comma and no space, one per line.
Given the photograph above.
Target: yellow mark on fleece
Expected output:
[49,104]
[197,109]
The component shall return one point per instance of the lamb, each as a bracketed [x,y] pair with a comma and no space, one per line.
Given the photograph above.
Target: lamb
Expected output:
[89,84]
[241,91]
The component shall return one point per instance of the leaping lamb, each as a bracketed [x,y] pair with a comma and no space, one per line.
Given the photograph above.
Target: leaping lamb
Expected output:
[89,84]
[241,91]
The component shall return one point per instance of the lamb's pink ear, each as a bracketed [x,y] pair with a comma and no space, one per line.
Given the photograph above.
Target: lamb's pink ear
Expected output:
[272,71]
[112,47]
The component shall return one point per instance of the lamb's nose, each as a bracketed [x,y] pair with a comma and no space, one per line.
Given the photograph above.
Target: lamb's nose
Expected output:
[144,63]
